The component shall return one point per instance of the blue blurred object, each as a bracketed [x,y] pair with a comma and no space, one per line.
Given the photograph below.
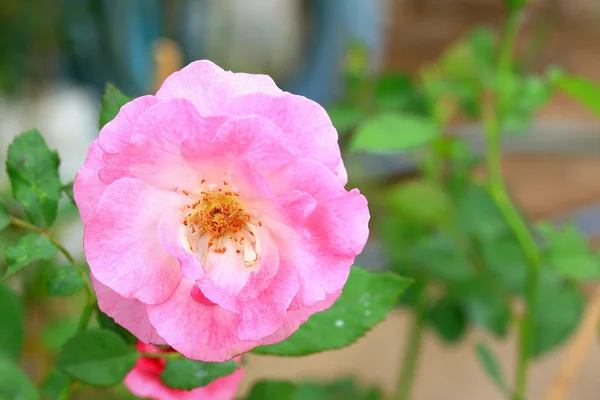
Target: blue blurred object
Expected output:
[111,40]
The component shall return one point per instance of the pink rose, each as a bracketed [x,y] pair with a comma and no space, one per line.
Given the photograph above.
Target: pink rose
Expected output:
[216,218]
[144,381]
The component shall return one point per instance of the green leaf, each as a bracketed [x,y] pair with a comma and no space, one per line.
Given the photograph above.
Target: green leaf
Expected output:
[186,374]
[396,91]
[53,385]
[490,365]
[365,301]
[31,247]
[14,384]
[486,302]
[530,95]
[97,357]
[68,190]
[57,332]
[581,89]
[33,172]
[107,322]
[112,102]
[515,4]
[421,201]
[478,215]
[440,258]
[503,257]
[569,254]
[343,389]
[13,326]
[65,281]
[345,117]
[280,390]
[393,132]
[448,319]
[4,216]
[560,306]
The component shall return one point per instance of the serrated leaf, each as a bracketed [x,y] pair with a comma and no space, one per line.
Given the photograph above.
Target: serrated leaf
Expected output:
[393,132]
[448,319]
[107,322]
[30,248]
[4,215]
[97,357]
[15,384]
[490,365]
[33,172]
[112,102]
[13,327]
[65,281]
[365,301]
[186,374]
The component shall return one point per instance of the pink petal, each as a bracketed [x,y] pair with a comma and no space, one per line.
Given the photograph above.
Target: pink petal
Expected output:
[122,246]
[153,153]
[88,188]
[263,315]
[210,88]
[307,129]
[199,332]
[295,318]
[225,277]
[335,232]
[172,238]
[129,313]
[252,138]
[115,135]
[264,270]
[348,211]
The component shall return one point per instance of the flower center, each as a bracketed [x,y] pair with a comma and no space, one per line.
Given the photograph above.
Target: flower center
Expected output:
[216,218]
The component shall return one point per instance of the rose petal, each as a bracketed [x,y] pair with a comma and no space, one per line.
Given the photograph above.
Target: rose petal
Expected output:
[210,88]
[199,332]
[129,313]
[88,188]
[307,129]
[122,245]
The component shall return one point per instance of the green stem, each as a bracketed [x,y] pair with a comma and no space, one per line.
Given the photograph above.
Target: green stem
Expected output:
[160,355]
[90,306]
[86,279]
[499,193]
[412,350]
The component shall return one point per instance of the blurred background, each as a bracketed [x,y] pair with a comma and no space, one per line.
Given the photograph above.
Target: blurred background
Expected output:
[57,55]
